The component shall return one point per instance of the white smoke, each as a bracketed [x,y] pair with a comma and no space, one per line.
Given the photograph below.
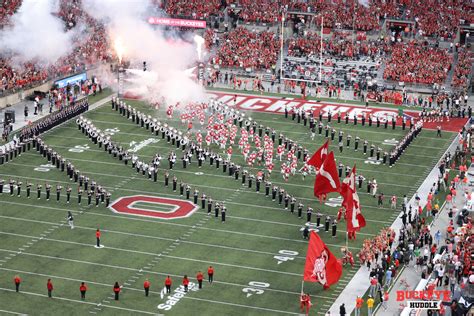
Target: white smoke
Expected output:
[36,34]
[365,3]
[127,21]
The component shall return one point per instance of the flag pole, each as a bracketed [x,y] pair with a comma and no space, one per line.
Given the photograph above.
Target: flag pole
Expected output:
[347,240]
[302,285]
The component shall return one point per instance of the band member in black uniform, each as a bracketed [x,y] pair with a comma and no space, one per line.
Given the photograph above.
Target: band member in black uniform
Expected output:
[58,192]
[300,209]
[318,219]
[68,194]
[326,223]
[48,191]
[209,205]
[11,184]
[107,199]
[28,189]
[224,209]
[38,190]
[89,197]
[203,201]
[188,191]
[195,196]
[216,210]
[18,188]
[309,213]
[175,183]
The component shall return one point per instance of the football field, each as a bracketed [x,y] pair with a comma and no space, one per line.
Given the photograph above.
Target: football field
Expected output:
[258,254]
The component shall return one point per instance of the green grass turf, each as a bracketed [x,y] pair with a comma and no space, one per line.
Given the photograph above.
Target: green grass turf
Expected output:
[242,250]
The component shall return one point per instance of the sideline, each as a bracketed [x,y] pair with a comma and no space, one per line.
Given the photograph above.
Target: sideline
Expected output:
[359,284]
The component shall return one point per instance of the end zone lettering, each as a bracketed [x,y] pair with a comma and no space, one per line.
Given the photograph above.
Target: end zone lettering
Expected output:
[275,105]
[174,298]
[423,304]
[424,295]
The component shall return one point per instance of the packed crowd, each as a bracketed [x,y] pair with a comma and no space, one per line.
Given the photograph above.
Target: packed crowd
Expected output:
[7,8]
[417,63]
[92,47]
[438,18]
[260,11]
[462,69]
[247,49]
[341,44]
[432,17]
[195,8]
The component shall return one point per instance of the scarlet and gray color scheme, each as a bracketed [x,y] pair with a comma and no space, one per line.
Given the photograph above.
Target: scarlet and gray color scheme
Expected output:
[125,205]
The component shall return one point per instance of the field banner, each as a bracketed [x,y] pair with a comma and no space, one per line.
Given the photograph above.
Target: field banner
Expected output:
[198,24]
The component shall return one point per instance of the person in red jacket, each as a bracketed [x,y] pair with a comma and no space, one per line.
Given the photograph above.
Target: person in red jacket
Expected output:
[305,303]
[83,289]
[117,288]
[146,286]
[49,286]
[168,283]
[97,237]
[185,283]
[210,274]
[199,278]
[17,281]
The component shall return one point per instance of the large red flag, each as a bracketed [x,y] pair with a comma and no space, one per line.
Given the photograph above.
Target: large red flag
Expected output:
[318,157]
[327,180]
[354,218]
[321,265]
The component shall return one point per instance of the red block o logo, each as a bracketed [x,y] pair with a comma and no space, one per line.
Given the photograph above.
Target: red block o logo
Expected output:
[180,208]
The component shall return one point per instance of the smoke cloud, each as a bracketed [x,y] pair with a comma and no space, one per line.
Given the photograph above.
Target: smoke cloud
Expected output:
[165,78]
[36,34]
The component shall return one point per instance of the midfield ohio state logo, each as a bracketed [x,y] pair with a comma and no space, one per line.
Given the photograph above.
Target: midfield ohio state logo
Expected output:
[177,208]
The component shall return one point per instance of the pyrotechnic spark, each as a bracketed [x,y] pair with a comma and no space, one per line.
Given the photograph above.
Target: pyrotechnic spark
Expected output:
[119,49]
[199,41]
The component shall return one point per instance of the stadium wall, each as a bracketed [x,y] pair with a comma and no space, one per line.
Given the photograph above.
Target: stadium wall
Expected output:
[21,95]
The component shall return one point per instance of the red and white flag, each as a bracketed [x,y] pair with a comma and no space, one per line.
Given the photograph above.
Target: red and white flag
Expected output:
[354,218]
[319,156]
[327,180]
[321,265]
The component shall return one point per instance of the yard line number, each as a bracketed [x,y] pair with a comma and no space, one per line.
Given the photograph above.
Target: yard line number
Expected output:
[256,288]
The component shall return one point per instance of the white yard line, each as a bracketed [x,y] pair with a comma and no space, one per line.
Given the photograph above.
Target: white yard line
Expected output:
[81,302]
[155,254]
[170,147]
[141,290]
[10,312]
[150,272]
[182,225]
[146,156]
[192,184]
[154,193]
